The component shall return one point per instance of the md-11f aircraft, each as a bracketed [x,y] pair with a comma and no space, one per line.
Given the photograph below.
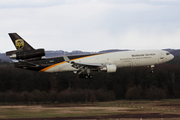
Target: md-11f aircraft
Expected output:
[33,59]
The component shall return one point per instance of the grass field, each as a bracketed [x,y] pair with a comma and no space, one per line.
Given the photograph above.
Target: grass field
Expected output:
[134,110]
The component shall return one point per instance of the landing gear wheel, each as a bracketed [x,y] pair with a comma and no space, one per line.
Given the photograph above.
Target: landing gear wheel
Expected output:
[90,76]
[86,76]
[152,70]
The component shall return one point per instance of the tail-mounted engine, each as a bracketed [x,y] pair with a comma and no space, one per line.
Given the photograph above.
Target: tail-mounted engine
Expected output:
[26,55]
[109,68]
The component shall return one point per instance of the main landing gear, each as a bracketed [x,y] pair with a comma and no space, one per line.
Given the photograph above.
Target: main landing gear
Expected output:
[84,72]
[86,76]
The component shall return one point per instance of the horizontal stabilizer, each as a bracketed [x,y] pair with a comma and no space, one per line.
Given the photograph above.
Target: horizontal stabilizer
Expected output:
[27,63]
[9,53]
[22,64]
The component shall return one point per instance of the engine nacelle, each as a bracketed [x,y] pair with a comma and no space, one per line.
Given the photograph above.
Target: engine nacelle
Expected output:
[28,54]
[109,68]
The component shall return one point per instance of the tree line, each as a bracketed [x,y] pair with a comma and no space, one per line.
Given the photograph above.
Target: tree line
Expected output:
[65,96]
[126,83]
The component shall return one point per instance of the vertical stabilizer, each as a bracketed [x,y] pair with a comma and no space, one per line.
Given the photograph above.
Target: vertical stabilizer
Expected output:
[20,43]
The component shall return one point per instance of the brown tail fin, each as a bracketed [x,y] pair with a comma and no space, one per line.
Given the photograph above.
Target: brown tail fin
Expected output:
[19,42]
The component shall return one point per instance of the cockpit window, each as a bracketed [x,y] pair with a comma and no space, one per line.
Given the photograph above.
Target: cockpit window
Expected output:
[167,53]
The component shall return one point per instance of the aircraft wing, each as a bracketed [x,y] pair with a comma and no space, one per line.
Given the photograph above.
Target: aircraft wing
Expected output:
[84,66]
[89,64]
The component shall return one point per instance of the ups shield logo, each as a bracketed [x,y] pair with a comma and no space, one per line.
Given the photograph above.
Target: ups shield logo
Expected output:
[19,43]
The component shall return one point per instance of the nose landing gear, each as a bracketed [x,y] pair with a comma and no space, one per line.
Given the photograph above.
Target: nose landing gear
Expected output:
[152,69]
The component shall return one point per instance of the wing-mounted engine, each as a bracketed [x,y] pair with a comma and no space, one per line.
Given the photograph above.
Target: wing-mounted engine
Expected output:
[109,68]
[26,55]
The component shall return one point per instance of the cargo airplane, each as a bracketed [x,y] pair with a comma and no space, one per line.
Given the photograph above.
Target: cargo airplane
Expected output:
[33,59]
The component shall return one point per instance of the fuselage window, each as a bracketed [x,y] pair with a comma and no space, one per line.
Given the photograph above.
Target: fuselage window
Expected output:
[167,53]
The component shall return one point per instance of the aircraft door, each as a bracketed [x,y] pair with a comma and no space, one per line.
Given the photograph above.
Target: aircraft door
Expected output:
[162,57]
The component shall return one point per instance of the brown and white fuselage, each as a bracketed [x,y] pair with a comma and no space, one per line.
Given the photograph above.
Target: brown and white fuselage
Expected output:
[32,59]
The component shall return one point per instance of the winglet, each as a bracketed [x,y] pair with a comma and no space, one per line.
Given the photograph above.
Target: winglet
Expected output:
[66,59]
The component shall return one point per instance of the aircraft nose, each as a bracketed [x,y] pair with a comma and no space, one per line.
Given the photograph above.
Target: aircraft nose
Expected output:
[171,57]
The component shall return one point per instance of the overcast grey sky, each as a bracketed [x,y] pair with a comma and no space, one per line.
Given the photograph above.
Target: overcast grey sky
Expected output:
[91,25]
